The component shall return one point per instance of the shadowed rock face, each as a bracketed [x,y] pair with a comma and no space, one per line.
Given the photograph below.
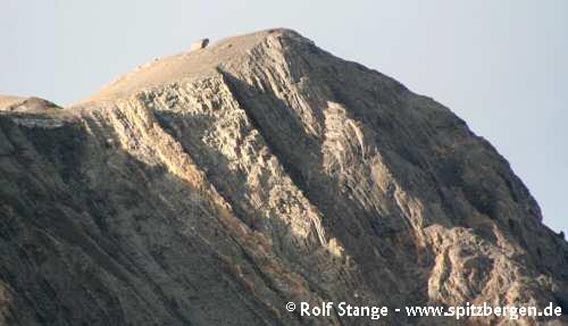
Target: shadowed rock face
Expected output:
[214,186]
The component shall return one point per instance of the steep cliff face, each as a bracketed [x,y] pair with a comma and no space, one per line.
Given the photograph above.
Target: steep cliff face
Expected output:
[214,186]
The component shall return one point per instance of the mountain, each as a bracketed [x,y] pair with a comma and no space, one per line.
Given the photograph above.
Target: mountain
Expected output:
[214,186]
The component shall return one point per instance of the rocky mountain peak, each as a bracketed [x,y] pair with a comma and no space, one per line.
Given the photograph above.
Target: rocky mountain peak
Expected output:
[214,186]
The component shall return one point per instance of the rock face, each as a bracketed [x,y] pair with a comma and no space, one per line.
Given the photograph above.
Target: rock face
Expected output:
[212,187]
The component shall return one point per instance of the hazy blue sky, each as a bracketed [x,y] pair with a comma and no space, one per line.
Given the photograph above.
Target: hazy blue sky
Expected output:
[500,65]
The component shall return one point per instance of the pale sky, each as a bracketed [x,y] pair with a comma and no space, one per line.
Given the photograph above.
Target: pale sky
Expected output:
[500,65]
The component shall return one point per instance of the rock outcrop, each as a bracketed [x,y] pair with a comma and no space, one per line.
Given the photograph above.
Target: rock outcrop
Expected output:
[212,187]
[199,44]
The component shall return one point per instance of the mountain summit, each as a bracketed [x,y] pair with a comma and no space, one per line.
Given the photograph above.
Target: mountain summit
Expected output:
[214,186]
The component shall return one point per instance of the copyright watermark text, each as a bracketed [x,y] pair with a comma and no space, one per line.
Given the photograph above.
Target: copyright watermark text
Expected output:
[345,309]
